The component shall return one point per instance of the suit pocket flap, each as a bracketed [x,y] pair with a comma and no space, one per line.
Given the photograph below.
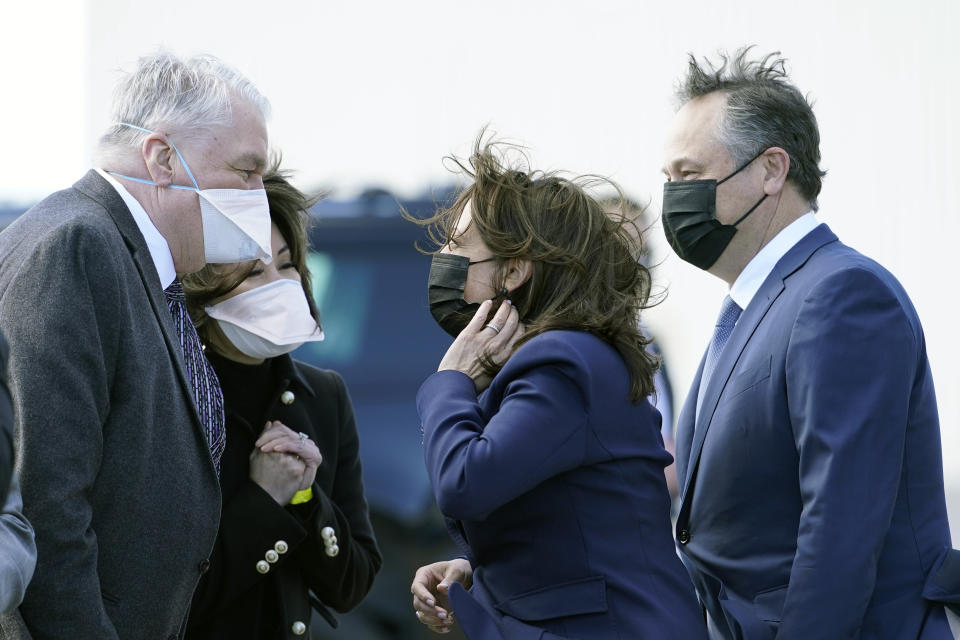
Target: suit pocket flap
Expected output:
[751,377]
[768,604]
[588,595]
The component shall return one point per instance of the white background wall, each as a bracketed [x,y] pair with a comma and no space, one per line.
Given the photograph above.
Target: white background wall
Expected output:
[368,92]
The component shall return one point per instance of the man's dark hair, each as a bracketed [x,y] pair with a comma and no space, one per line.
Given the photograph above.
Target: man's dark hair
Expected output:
[762,110]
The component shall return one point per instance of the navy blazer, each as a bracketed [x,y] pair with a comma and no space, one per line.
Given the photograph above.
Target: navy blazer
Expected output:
[813,501]
[553,483]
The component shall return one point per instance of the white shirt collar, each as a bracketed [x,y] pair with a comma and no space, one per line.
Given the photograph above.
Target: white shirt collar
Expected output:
[156,243]
[751,278]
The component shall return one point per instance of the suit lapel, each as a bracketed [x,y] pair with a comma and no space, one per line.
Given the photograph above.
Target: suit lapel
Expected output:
[746,326]
[95,187]
[685,424]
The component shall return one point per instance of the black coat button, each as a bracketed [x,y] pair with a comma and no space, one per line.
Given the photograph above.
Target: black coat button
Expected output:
[683,536]
[204,566]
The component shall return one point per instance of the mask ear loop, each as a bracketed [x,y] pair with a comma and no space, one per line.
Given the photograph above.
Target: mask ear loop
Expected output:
[179,155]
[770,222]
[744,216]
[744,166]
[503,293]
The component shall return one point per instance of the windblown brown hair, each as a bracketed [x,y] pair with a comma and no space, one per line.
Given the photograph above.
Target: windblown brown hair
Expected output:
[289,211]
[586,276]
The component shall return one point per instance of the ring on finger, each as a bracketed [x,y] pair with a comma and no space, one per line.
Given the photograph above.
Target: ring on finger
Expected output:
[303,436]
[490,325]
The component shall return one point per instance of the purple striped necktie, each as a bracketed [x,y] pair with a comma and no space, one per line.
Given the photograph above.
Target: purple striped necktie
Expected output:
[203,379]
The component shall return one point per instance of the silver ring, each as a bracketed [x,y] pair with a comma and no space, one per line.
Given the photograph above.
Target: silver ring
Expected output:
[303,436]
[495,328]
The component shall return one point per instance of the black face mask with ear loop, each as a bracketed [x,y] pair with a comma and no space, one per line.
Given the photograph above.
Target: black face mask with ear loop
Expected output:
[445,284]
[690,222]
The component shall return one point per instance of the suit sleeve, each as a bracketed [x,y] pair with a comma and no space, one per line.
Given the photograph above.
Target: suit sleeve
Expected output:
[58,314]
[850,365]
[342,581]
[475,465]
[18,551]
[6,426]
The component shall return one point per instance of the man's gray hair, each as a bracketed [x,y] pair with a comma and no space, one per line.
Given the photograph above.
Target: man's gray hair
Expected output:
[184,99]
[763,109]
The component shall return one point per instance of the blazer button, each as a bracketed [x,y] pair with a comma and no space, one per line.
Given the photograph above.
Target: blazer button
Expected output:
[298,628]
[281,547]
[287,397]
[204,566]
[272,556]
[263,567]
[683,536]
[333,550]
[327,533]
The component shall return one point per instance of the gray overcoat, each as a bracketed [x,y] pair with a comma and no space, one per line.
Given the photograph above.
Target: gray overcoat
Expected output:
[116,473]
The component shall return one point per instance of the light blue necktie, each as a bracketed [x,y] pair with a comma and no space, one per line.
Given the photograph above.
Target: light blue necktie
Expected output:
[729,313]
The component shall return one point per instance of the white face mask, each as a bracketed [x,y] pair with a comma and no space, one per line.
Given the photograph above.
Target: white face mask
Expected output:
[236,222]
[267,321]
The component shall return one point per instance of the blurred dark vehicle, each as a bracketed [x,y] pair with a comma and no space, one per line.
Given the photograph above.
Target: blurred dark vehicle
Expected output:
[370,284]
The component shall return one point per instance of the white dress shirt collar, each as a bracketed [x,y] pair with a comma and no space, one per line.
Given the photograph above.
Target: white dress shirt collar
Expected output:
[156,243]
[751,278]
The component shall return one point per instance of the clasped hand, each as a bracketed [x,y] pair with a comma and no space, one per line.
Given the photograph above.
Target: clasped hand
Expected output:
[282,462]
[480,339]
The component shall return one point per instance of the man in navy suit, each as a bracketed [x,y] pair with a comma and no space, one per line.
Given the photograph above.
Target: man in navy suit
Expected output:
[808,449]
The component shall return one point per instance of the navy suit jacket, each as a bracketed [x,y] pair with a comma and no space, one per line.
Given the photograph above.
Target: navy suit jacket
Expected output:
[553,483]
[813,502]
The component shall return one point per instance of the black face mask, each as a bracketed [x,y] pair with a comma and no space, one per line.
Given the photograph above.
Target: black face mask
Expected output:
[448,277]
[690,223]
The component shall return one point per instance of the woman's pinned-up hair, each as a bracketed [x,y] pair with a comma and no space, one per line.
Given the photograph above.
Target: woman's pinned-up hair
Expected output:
[587,274]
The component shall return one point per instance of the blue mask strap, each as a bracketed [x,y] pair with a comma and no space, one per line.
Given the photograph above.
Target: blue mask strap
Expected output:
[151,182]
[195,187]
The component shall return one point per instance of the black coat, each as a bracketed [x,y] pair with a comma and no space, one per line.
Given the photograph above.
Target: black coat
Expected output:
[234,599]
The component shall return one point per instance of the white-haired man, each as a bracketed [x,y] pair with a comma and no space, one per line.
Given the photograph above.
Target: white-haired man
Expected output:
[119,416]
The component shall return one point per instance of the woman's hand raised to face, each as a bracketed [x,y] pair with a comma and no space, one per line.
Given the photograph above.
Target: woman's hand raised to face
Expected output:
[494,339]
